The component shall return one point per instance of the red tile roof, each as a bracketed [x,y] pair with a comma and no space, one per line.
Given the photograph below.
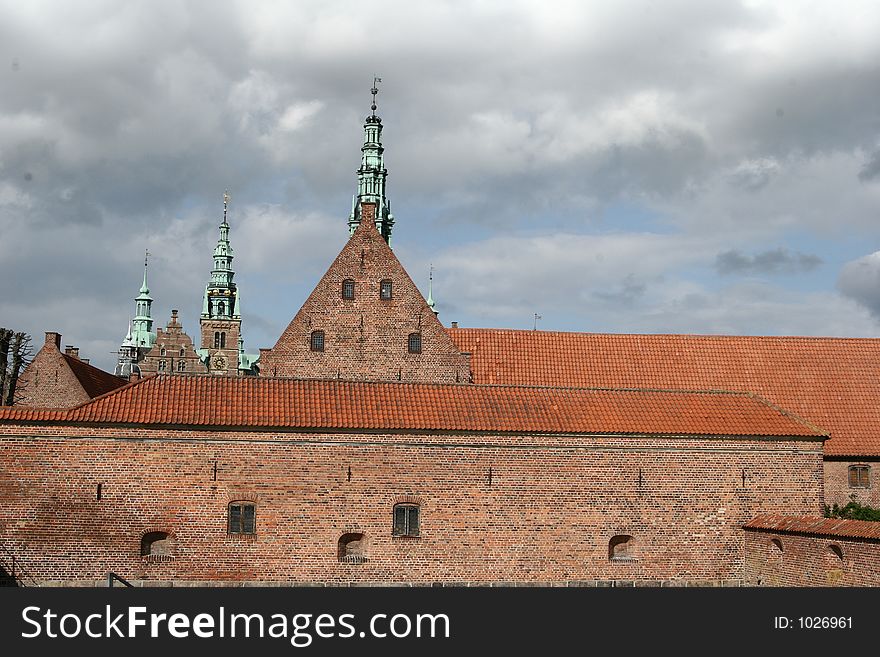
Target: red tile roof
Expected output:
[832,382]
[94,381]
[326,404]
[832,527]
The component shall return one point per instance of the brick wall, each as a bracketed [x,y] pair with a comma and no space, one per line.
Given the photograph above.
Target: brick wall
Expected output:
[366,337]
[810,560]
[48,382]
[546,513]
[837,482]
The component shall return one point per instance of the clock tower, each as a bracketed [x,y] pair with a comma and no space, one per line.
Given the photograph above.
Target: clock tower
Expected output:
[221,313]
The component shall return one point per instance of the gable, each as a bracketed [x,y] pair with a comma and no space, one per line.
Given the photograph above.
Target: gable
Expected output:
[366,337]
[832,382]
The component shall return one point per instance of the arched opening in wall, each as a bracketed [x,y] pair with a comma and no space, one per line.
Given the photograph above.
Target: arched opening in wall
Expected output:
[775,549]
[352,548]
[833,565]
[622,548]
[156,544]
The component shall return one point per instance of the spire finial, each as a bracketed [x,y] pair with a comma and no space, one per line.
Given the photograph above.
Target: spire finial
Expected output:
[226,199]
[144,288]
[374,91]
[431,287]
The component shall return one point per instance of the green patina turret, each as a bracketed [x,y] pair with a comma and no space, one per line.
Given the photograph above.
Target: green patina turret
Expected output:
[142,334]
[372,175]
[220,300]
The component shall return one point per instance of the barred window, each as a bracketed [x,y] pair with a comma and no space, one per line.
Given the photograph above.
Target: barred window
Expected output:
[317,341]
[859,476]
[415,343]
[385,289]
[181,366]
[242,518]
[406,520]
[348,289]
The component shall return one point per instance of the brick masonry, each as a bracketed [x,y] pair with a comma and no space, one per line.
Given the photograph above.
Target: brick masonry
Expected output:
[783,559]
[547,514]
[366,338]
[837,483]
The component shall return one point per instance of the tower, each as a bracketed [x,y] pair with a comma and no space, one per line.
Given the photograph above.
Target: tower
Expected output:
[370,201]
[221,315]
[140,337]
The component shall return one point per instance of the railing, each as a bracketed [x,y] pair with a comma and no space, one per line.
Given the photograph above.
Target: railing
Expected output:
[113,577]
[16,574]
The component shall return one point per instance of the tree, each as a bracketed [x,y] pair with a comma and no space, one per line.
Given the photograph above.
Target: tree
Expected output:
[15,354]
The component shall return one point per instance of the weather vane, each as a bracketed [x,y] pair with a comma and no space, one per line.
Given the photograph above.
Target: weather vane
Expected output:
[374,91]
[226,198]
[537,317]
[146,255]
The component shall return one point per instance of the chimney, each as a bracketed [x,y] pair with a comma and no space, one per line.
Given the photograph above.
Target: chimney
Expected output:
[174,316]
[53,338]
[71,351]
[454,324]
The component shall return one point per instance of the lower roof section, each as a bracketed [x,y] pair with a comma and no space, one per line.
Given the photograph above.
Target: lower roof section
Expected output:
[812,526]
[255,402]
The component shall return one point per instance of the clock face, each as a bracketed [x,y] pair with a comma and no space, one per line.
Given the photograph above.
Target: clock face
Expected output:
[219,362]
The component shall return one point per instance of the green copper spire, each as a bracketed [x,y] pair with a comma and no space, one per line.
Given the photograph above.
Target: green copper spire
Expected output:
[142,335]
[220,293]
[372,175]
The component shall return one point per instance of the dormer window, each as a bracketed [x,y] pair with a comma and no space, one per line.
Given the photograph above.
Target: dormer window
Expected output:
[348,289]
[162,351]
[385,290]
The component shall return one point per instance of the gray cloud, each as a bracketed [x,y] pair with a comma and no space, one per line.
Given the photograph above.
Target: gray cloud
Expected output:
[121,124]
[860,280]
[776,261]
[871,169]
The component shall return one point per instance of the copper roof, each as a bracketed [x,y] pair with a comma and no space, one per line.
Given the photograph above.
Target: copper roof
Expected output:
[325,404]
[832,527]
[832,382]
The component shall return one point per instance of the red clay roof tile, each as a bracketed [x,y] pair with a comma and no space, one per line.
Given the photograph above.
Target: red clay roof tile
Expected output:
[833,527]
[832,382]
[326,404]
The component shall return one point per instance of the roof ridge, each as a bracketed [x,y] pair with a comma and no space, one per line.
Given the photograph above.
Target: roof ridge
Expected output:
[791,414]
[671,335]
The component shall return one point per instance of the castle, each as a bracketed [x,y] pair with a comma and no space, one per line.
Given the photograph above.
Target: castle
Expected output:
[371,444]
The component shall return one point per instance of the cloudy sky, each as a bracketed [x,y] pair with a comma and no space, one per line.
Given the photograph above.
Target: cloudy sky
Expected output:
[671,166]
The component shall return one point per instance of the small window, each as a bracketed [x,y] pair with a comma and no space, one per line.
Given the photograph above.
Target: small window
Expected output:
[406,520]
[621,548]
[163,364]
[182,352]
[221,308]
[162,351]
[156,544]
[415,343]
[242,518]
[348,289]
[219,339]
[859,476]
[181,366]
[385,290]
[317,341]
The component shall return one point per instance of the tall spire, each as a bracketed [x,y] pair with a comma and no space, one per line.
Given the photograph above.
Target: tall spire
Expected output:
[220,293]
[142,335]
[372,175]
